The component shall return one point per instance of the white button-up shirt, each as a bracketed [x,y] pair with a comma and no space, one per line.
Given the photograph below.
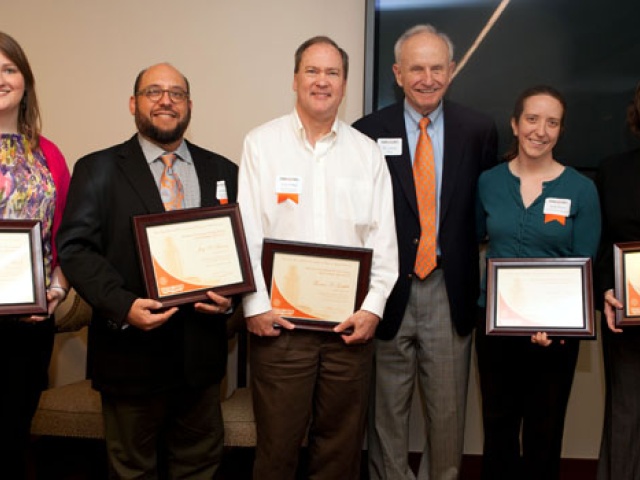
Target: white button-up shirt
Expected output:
[339,193]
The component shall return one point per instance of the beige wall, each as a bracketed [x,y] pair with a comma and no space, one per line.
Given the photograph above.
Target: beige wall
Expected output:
[237,54]
[238,57]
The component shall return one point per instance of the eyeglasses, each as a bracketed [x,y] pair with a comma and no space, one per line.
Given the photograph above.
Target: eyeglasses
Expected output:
[153,93]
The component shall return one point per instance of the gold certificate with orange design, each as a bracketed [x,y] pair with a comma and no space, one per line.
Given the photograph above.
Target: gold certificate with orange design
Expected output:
[314,288]
[632,284]
[193,256]
[185,253]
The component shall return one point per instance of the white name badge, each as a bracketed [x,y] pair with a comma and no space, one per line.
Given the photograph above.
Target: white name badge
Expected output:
[288,184]
[557,206]
[391,147]
[221,191]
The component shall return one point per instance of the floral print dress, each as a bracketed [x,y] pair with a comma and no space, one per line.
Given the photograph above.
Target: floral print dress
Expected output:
[27,191]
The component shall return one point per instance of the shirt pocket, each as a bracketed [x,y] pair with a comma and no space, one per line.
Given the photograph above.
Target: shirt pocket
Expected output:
[353,201]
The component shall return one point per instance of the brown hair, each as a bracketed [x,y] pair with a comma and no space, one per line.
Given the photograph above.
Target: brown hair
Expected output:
[29,123]
[314,41]
[518,108]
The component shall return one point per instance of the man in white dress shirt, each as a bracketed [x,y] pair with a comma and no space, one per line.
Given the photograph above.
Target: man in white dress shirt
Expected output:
[309,177]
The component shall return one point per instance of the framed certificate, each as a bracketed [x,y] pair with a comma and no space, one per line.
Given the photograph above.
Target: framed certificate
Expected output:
[22,281]
[315,286]
[184,253]
[529,295]
[627,276]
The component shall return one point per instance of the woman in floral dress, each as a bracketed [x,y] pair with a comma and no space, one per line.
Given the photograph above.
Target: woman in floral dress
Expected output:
[33,185]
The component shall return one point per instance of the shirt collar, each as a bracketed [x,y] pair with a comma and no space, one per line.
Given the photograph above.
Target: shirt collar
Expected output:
[299,128]
[152,151]
[415,117]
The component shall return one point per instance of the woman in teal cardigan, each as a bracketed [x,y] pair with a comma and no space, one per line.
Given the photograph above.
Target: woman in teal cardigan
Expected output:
[526,381]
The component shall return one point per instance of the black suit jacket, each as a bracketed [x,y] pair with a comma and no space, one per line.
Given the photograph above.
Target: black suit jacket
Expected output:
[617,182]
[98,254]
[470,147]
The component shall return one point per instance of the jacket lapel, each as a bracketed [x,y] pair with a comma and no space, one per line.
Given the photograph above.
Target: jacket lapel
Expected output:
[451,158]
[401,166]
[207,177]
[135,170]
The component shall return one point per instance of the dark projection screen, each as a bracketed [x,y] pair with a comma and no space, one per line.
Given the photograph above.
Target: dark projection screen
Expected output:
[587,49]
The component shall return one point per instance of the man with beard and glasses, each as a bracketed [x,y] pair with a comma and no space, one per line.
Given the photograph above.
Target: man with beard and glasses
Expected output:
[158,370]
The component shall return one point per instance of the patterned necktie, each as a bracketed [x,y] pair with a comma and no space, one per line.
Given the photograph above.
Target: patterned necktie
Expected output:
[171,190]
[424,173]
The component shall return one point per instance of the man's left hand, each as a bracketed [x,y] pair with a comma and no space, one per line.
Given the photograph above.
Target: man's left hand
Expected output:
[217,306]
[364,325]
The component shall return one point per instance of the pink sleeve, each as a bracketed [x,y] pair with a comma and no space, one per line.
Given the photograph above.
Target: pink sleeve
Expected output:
[60,174]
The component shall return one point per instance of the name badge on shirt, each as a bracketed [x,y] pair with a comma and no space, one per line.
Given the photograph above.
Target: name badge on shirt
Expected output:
[288,188]
[391,147]
[557,209]
[221,192]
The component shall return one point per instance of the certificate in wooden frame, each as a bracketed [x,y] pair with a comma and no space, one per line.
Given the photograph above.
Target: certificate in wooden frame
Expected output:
[530,295]
[627,280]
[185,253]
[22,281]
[315,286]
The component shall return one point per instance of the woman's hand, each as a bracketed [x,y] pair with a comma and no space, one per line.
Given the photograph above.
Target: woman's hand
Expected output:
[541,339]
[55,296]
[56,293]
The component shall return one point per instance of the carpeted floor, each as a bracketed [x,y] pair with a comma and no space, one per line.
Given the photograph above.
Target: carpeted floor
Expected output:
[78,459]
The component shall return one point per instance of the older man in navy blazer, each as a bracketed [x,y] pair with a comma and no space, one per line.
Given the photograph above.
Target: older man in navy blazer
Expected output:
[427,322]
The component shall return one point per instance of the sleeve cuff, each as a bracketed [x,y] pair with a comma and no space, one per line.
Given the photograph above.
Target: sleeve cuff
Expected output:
[374,302]
[255,304]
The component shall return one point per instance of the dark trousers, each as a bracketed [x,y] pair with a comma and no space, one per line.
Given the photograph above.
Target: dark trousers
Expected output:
[524,386]
[309,379]
[620,451]
[173,435]
[25,352]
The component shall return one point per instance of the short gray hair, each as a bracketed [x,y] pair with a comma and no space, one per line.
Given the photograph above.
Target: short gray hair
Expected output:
[418,30]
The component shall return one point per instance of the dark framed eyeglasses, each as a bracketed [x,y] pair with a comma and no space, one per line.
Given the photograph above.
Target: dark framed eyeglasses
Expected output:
[154,93]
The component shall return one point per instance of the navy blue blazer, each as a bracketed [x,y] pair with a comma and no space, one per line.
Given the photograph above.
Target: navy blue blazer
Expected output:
[470,147]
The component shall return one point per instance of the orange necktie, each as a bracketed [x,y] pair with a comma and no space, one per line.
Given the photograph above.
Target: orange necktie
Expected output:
[170,186]
[424,173]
